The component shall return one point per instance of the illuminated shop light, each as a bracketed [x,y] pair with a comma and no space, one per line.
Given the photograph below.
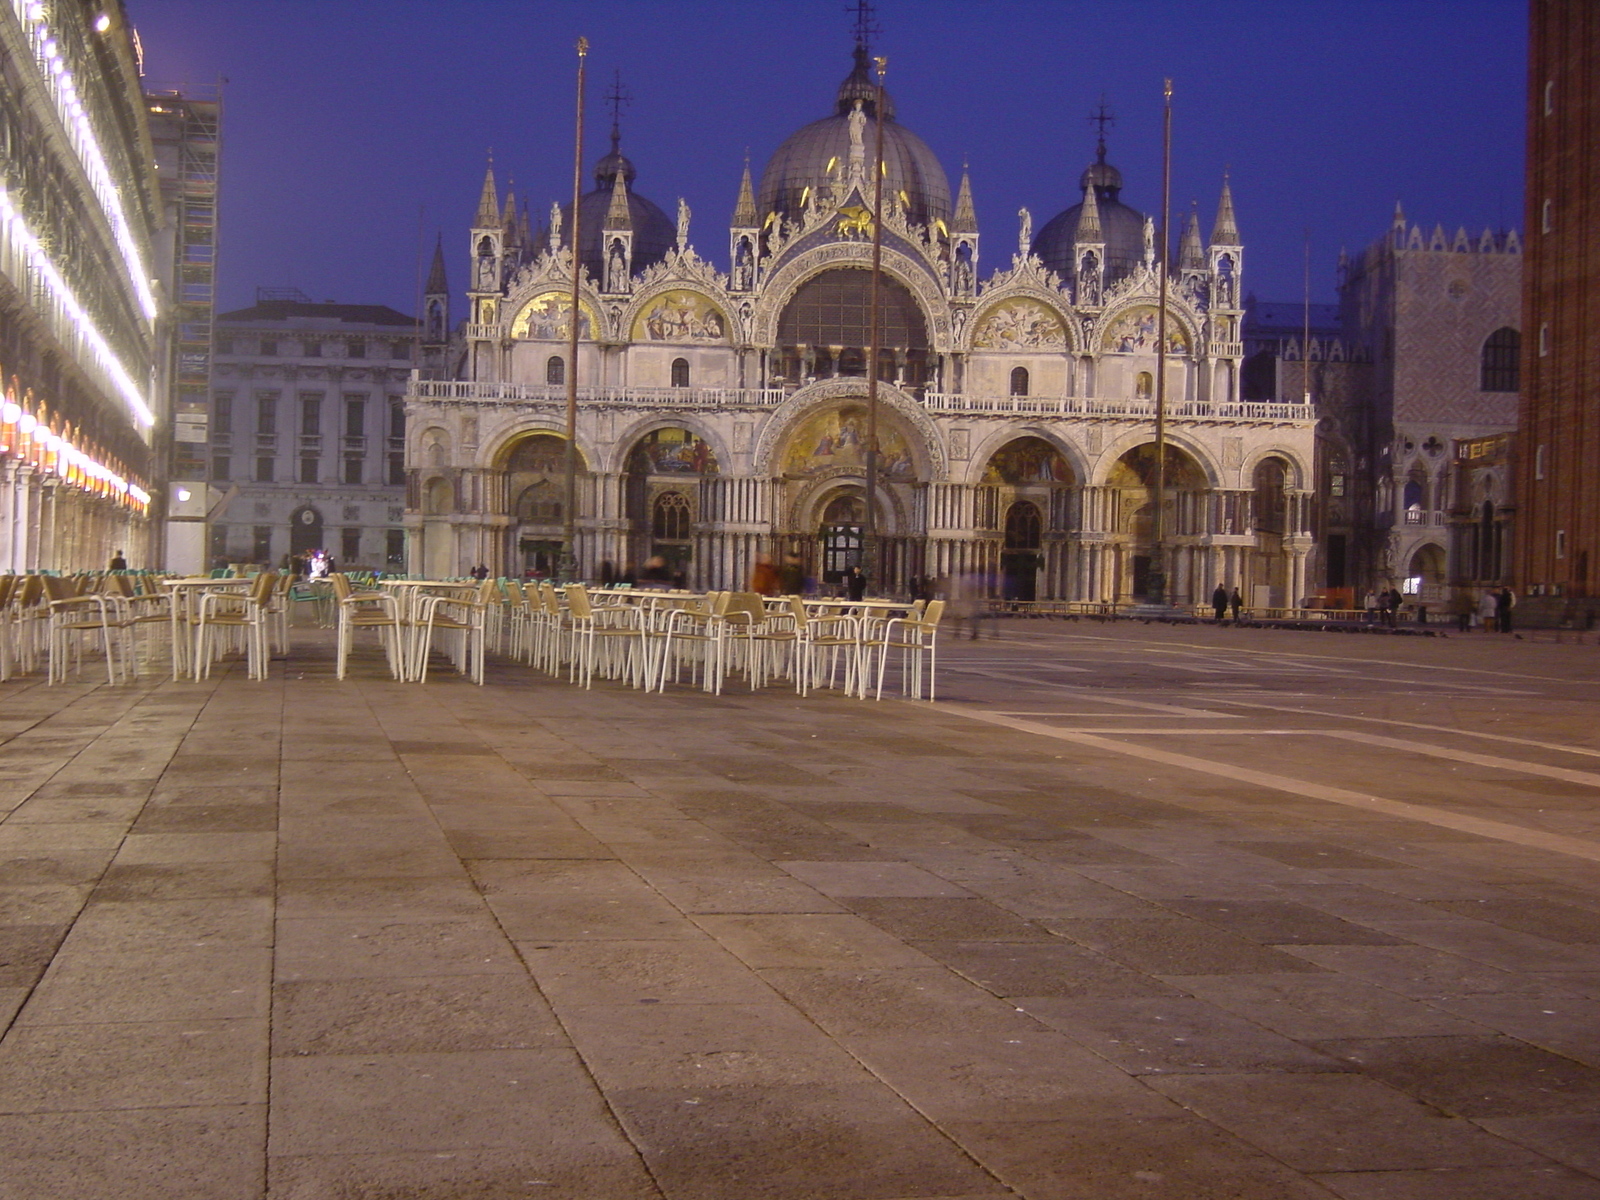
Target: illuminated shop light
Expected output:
[58,81]
[40,262]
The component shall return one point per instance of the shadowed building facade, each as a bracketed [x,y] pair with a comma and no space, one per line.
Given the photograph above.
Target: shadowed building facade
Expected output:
[1558,500]
[722,413]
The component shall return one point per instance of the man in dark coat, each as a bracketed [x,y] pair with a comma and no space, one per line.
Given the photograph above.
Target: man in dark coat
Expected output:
[1219,601]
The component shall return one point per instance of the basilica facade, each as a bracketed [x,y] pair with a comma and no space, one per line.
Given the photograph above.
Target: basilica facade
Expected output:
[722,414]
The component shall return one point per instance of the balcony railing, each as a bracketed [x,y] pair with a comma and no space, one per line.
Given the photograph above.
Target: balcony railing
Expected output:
[628,397]
[939,402]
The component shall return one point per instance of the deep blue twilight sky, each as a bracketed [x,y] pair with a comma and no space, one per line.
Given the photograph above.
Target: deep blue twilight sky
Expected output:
[346,121]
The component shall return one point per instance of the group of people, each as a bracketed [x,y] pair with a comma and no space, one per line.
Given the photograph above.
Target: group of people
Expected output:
[1493,610]
[789,578]
[1384,607]
[1222,600]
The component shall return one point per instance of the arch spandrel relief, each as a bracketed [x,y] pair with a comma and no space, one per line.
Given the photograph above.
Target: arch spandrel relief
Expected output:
[834,440]
[1028,462]
[927,443]
[1023,324]
[680,315]
[548,317]
[672,450]
[1133,331]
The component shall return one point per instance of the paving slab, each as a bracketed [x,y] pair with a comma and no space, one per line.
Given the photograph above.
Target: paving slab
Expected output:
[1052,938]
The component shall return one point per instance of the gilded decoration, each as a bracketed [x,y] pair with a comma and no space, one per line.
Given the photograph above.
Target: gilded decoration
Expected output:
[836,439]
[1028,461]
[680,316]
[1134,332]
[549,318]
[672,452]
[1020,325]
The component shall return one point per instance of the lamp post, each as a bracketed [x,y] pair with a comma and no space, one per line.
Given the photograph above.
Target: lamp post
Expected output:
[567,564]
[870,550]
[1156,589]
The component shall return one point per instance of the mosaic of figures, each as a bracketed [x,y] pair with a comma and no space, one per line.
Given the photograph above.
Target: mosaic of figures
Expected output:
[836,438]
[672,452]
[541,454]
[1020,325]
[1134,332]
[549,317]
[1028,461]
[680,317]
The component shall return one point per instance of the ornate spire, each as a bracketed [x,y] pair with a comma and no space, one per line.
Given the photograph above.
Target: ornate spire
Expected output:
[744,212]
[966,217]
[617,216]
[489,201]
[1089,230]
[1226,231]
[508,214]
[1191,257]
[437,283]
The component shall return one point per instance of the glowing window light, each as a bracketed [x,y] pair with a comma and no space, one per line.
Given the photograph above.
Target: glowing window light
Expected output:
[104,355]
[81,134]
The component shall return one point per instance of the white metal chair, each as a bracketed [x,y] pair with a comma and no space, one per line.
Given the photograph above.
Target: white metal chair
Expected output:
[916,639]
[464,619]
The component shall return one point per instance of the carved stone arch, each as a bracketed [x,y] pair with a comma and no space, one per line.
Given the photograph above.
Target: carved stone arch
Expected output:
[1113,453]
[432,447]
[628,438]
[1299,471]
[1054,301]
[781,286]
[737,333]
[1001,436]
[784,417]
[807,502]
[493,453]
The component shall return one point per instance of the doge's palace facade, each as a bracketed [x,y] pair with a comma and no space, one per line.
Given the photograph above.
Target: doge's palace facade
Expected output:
[722,414]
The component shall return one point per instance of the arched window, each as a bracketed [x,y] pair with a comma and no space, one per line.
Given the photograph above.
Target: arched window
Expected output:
[1270,507]
[1144,385]
[1024,526]
[1019,381]
[670,518]
[680,372]
[1501,351]
[555,369]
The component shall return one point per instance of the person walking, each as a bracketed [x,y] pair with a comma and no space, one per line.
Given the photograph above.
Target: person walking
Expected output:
[764,579]
[1219,601]
[1488,608]
[118,563]
[855,582]
[1236,602]
[791,576]
[1461,606]
[1503,604]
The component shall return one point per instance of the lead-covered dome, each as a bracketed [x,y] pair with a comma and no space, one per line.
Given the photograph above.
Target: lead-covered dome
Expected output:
[654,233]
[1121,227]
[806,158]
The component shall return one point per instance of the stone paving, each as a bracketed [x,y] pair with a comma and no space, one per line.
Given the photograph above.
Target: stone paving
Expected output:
[1133,912]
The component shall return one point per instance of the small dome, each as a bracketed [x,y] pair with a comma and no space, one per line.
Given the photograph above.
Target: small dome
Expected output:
[802,161]
[1121,227]
[654,233]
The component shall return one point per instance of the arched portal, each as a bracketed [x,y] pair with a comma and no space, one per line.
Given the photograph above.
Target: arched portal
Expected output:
[532,491]
[1269,518]
[839,534]
[1425,575]
[1026,493]
[664,496]
[1131,518]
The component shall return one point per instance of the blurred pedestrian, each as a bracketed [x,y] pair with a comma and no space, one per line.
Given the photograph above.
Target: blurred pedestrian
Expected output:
[764,578]
[1219,601]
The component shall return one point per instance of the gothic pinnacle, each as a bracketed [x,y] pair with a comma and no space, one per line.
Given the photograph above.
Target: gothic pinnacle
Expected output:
[744,211]
[1226,231]
[965,219]
[489,201]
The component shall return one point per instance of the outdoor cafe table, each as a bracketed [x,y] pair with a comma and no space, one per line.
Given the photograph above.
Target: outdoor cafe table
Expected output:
[185,604]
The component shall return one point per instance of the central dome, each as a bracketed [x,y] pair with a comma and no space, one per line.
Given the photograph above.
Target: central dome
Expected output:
[803,162]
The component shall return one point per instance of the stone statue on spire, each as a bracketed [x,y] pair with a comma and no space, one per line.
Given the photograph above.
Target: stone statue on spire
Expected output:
[683,225]
[1024,233]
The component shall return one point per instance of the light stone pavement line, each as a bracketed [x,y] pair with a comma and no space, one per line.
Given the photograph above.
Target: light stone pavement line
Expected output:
[1582,778]
[1586,751]
[1189,647]
[1496,830]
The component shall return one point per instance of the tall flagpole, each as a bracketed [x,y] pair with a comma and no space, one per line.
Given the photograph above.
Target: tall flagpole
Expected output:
[567,568]
[1158,566]
[872,566]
